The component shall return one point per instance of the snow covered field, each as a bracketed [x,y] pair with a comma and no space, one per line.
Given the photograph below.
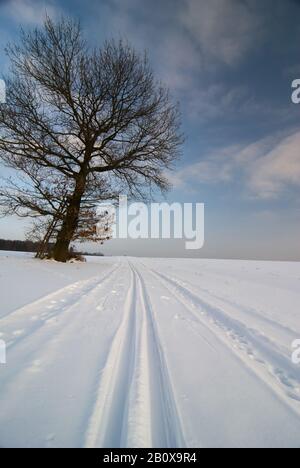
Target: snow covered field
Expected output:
[124,352]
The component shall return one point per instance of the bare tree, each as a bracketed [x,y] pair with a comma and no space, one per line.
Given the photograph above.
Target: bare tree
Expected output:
[93,118]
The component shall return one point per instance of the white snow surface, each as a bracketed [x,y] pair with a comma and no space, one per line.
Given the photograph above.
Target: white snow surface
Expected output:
[126,352]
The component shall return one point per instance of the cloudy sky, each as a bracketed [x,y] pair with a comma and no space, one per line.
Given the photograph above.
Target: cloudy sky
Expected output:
[230,64]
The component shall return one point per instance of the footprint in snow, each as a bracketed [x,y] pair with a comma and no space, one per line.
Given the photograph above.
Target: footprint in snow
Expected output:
[34,318]
[180,317]
[283,378]
[293,396]
[165,298]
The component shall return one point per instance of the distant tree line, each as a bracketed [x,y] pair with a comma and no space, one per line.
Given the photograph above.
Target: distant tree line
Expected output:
[34,247]
[19,245]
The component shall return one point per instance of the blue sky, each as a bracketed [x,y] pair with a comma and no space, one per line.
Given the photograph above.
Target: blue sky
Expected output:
[230,64]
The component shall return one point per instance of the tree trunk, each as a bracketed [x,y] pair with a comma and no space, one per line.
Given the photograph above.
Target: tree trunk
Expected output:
[66,234]
[44,243]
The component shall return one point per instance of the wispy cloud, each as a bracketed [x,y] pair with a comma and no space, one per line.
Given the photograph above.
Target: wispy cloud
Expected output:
[266,169]
[278,170]
[206,171]
[217,100]
[190,35]
[225,30]
[28,11]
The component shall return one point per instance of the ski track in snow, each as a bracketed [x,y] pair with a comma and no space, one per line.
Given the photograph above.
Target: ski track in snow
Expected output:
[249,344]
[135,405]
[64,300]
[112,344]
